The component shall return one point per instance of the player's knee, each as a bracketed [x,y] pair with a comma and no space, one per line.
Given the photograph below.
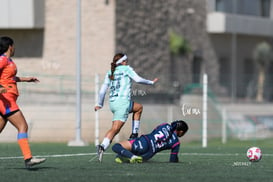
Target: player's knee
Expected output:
[23,128]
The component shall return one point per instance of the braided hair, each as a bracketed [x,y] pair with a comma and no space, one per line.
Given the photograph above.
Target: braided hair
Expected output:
[114,65]
[5,42]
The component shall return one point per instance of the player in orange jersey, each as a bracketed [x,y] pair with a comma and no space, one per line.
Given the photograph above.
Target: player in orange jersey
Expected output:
[9,109]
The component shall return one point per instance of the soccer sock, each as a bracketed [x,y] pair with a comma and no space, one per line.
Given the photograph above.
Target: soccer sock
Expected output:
[22,139]
[105,143]
[122,151]
[135,126]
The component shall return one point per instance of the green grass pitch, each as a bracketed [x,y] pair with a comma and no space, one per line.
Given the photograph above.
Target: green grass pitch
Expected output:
[217,162]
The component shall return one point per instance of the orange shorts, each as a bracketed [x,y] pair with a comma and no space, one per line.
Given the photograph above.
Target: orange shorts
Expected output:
[8,103]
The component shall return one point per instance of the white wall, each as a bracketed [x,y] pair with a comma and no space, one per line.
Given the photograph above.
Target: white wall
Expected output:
[26,14]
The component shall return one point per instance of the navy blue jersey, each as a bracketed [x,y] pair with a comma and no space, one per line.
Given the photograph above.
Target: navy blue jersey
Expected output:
[161,138]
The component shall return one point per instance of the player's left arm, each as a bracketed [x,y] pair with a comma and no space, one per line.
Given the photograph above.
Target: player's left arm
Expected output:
[26,79]
[174,152]
[132,74]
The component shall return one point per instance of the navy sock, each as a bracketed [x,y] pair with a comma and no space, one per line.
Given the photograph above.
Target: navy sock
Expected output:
[122,151]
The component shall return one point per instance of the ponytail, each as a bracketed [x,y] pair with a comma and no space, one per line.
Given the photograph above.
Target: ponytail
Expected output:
[114,65]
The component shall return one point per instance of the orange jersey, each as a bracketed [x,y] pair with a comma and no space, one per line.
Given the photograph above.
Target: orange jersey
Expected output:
[8,71]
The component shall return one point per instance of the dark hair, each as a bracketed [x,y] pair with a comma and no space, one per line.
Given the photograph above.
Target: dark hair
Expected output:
[5,42]
[179,125]
[113,64]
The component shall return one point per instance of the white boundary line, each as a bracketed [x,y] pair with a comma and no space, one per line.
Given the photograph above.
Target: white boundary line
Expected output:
[214,154]
[91,154]
[54,155]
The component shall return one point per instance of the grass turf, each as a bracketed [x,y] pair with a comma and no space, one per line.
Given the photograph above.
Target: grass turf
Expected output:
[217,162]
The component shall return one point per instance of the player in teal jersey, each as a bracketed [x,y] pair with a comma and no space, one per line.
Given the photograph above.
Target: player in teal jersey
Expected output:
[119,81]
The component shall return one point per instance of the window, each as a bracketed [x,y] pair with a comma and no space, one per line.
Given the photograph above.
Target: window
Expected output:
[244,7]
[18,14]
[224,6]
[224,72]
[265,8]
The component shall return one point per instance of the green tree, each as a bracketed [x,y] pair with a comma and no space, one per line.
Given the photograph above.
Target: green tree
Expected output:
[178,45]
[262,56]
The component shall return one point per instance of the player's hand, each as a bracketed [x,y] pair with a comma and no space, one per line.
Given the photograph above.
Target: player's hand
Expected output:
[97,108]
[27,79]
[3,90]
[155,80]
[32,79]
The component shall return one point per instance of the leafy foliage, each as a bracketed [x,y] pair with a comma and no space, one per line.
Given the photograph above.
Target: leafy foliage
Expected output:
[178,45]
[263,53]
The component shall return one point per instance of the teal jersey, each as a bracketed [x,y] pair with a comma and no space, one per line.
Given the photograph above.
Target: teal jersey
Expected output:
[121,86]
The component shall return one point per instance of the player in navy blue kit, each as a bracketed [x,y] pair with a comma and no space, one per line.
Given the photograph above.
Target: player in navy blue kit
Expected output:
[163,137]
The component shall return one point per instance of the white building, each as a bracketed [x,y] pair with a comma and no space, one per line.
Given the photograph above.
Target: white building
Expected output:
[236,27]
[45,34]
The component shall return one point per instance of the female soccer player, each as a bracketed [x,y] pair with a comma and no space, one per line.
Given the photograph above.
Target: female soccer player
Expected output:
[163,137]
[9,109]
[119,80]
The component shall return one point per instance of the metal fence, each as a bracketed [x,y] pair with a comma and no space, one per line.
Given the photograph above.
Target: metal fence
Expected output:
[50,107]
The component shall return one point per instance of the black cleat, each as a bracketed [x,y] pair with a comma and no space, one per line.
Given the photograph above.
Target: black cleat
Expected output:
[133,136]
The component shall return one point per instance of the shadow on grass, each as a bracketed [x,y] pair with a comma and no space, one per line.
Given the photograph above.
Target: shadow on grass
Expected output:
[35,168]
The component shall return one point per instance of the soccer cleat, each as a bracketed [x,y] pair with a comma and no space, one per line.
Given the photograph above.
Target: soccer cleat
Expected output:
[118,160]
[136,159]
[133,136]
[100,151]
[33,161]
[121,160]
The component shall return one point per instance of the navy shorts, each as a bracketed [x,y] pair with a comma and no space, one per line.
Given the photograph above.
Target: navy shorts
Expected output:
[140,146]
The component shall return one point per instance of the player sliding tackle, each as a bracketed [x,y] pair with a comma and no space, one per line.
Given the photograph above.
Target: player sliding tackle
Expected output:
[163,137]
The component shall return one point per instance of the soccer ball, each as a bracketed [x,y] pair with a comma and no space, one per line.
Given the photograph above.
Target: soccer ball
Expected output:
[254,154]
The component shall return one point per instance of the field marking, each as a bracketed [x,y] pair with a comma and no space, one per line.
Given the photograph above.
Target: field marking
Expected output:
[92,154]
[217,154]
[54,155]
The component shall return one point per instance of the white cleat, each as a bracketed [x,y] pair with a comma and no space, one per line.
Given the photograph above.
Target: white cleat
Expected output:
[136,159]
[100,151]
[33,161]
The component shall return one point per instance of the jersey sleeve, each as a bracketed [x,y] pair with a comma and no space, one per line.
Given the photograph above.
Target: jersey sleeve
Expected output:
[174,152]
[132,74]
[3,62]
[103,90]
